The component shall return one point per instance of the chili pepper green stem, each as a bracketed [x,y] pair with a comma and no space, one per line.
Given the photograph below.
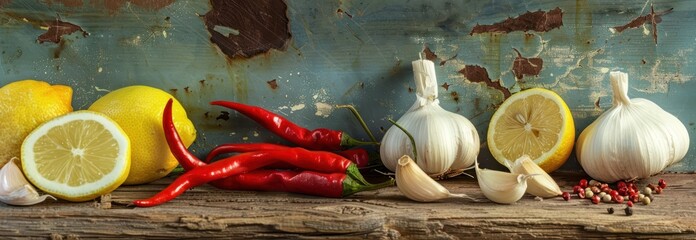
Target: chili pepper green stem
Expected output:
[351,186]
[353,172]
[348,141]
[410,137]
[360,119]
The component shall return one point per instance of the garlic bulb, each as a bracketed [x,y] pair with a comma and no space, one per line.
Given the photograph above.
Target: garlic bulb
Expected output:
[446,141]
[501,187]
[418,186]
[634,139]
[541,185]
[15,189]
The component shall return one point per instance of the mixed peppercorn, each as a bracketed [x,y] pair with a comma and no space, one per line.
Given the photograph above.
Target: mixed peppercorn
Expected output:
[622,192]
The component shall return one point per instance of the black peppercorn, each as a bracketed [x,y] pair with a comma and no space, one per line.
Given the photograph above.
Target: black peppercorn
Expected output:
[610,210]
[629,211]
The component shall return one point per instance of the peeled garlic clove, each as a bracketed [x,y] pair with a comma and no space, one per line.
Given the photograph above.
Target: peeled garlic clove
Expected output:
[541,185]
[15,189]
[417,185]
[501,187]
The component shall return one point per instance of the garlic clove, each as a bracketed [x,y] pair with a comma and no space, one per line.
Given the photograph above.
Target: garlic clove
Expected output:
[15,189]
[501,187]
[542,185]
[417,185]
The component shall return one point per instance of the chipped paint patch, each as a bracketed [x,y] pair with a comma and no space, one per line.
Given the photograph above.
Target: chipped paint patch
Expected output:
[522,66]
[323,109]
[297,107]
[478,74]
[539,21]
[660,80]
[57,29]
[246,28]
[653,18]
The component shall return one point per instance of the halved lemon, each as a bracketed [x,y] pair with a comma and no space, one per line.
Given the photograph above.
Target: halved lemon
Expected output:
[534,122]
[77,157]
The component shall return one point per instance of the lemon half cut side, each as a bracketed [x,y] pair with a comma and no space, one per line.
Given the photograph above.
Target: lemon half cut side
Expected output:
[77,157]
[534,122]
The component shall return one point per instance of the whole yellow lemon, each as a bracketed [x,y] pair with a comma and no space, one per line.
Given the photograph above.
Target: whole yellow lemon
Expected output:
[138,110]
[24,105]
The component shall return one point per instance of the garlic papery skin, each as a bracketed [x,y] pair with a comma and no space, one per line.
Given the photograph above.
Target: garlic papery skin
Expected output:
[501,187]
[633,139]
[541,185]
[15,189]
[446,141]
[417,185]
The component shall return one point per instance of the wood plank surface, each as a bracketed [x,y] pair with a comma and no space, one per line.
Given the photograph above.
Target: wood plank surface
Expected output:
[206,212]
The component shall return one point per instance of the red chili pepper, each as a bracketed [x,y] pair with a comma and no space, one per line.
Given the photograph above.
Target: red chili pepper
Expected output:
[333,185]
[200,173]
[317,139]
[357,155]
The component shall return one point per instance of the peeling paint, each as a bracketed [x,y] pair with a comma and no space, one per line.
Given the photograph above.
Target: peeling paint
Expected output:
[429,54]
[445,86]
[660,80]
[297,107]
[652,18]
[479,74]
[522,66]
[224,115]
[341,12]
[539,21]
[273,84]
[57,29]
[323,109]
[256,26]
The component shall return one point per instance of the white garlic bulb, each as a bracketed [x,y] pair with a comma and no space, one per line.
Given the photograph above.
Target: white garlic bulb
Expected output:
[633,139]
[502,187]
[418,186]
[446,141]
[15,189]
[541,185]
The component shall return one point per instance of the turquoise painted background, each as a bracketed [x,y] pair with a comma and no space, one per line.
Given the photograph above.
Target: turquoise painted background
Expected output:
[356,52]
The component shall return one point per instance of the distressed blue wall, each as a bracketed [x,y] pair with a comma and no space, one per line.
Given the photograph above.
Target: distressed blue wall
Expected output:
[359,55]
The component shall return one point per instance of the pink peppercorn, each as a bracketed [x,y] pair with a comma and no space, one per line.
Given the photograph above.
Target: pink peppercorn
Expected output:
[566,196]
[662,183]
[583,183]
[595,199]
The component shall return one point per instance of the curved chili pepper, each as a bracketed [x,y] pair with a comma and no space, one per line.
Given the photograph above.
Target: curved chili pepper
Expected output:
[317,139]
[200,173]
[357,155]
[333,185]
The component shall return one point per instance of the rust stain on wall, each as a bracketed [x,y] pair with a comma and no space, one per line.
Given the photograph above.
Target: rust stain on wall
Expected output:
[653,18]
[253,26]
[57,29]
[539,21]
[429,54]
[480,75]
[273,84]
[526,66]
[341,12]
[446,86]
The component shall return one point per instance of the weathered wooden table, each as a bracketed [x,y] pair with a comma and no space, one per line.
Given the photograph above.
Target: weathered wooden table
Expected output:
[206,212]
